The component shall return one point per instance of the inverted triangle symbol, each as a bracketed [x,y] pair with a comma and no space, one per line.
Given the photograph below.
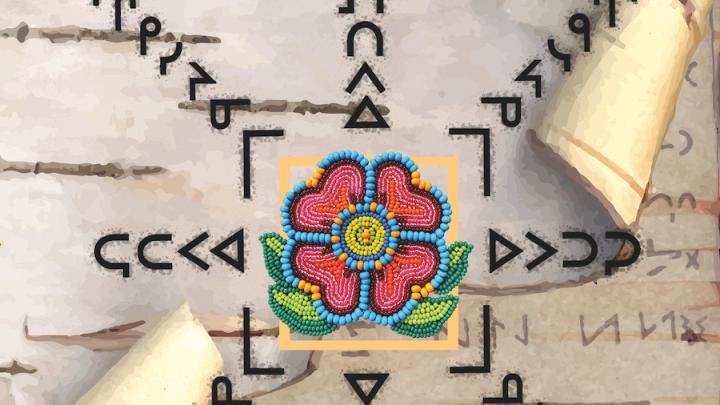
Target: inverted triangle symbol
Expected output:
[514,251]
[378,378]
[237,262]
[366,104]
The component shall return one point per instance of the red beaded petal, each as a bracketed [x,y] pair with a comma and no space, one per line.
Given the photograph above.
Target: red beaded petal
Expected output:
[415,209]
[339,286]
[313,209]
[413,263]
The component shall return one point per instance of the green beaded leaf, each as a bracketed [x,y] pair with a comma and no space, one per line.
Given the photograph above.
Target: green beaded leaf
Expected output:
[273,246]
[295,308]
[458,266]
[428,317]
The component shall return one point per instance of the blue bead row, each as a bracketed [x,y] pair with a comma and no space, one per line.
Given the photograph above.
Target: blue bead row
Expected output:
[369,261]
[414,236]
[344,155]
[361,309]
[389,320]
[286,265]
[309,237]
[444,262]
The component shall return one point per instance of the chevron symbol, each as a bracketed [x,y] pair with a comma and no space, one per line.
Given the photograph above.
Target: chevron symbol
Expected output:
[186,251]
[548,251]
[515,251]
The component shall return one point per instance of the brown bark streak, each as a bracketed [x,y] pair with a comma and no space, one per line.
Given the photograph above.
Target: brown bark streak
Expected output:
[17,368]
[58,35]
[82,169]
[283,106]
[122,337]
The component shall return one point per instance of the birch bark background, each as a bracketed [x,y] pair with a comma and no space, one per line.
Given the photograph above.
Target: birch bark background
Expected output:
[82,97]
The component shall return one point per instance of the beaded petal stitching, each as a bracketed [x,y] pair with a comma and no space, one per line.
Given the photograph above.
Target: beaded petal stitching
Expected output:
[365,240]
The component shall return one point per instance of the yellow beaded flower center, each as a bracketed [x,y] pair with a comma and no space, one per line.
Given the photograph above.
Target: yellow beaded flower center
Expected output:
[365,236]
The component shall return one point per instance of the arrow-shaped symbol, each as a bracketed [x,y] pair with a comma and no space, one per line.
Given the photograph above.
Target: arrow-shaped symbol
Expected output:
[514,251]
[378,381]
[239,262]
[186,251]
[549,251]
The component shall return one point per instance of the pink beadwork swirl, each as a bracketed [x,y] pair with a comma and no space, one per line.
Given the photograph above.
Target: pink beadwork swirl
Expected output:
[415,210]
[314,208]
[340,286]
[414,264]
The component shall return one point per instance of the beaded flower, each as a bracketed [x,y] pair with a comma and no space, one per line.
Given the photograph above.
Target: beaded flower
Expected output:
[366,240]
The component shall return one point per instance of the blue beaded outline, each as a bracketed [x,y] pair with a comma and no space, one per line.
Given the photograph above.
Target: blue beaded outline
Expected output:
[353,258]
[325,314]
[400,315]
[412,167]
[290,195]
[363,311]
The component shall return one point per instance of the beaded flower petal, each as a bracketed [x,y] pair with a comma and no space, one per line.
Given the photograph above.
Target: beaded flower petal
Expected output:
[366,240]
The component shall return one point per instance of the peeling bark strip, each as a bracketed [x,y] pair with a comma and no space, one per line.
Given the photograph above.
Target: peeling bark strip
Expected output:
[116,338]
[122,337]
[17,368]
[301,107]
[58,35]
[82,169]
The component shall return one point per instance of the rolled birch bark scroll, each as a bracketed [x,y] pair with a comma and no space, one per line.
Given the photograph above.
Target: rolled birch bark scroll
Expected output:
[175,363]
[609,118]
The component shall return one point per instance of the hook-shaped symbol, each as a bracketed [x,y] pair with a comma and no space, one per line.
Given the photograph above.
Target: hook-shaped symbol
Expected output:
[664,197]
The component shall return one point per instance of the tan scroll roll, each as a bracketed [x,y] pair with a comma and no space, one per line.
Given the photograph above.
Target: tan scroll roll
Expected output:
[175,363]
[609,118]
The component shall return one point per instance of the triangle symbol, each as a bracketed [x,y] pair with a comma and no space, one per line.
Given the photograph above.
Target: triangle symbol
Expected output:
[549,251]
[238,238]
[495,264]
[366,104]
[377,378]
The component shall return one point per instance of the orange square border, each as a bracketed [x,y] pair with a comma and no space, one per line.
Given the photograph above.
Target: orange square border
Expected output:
[451,343]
